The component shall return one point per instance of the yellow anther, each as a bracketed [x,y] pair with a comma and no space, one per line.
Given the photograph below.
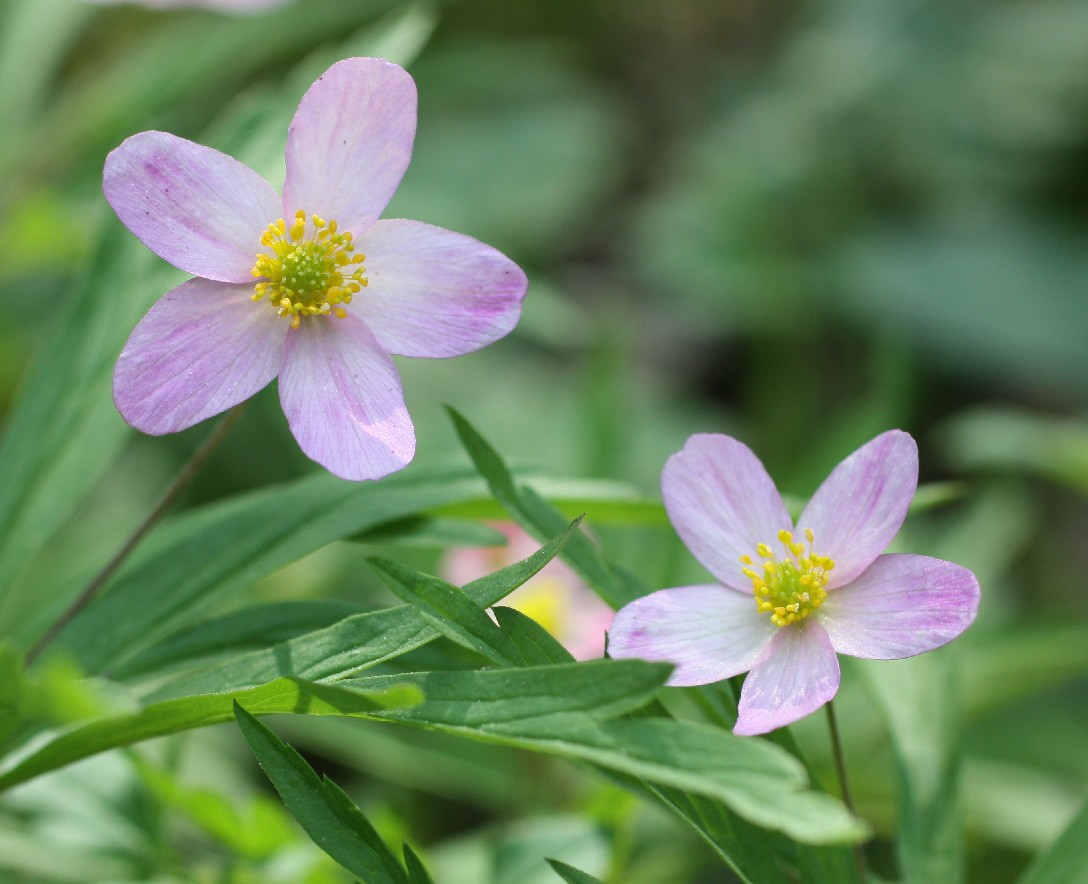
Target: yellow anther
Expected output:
[309,268]
[791,588]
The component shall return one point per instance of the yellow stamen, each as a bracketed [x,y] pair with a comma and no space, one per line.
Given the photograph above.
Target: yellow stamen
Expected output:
[791,588]
[309,270]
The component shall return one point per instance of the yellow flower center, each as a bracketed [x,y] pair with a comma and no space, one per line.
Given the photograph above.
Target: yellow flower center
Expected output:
[791,588]
[309,270]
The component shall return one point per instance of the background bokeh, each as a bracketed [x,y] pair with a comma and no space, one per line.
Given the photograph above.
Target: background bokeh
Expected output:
[800,223]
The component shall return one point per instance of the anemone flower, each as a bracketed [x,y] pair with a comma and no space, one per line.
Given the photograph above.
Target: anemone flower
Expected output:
[792,597]
[281,288]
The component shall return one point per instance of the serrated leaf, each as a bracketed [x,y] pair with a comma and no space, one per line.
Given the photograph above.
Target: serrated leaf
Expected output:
[325,813]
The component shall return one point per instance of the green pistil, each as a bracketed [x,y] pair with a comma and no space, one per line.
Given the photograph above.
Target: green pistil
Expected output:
[308,273]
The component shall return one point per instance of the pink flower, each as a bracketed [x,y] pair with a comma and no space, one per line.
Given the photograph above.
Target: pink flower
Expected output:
[791,598]
[281,287]
[556,597]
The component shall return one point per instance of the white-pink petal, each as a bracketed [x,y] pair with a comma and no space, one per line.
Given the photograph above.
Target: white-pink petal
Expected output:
[350,142]
[900,606]
[434,293]
[203,348]
[193,206]
[795,675]
[342,396]
[709,632]
[722,503]
[861,506]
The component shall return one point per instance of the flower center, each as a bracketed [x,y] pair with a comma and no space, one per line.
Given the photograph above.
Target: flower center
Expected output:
[791,588]
[309,270]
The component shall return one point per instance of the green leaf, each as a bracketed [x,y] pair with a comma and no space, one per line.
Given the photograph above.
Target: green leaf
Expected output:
[431,532]
[205,555]
[64,430]
[172,716]
[257,833]
[355,643]
[572,875]
[256,626]
[1067,861]
[567,710]
[417,874]
[450,612]
[1011,440]
[920,708]
[535,645]
[326,814]
[541,519]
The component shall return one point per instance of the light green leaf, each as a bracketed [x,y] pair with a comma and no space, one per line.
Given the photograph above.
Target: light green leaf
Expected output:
[172,716]
[572,875]
[917,702]
[326,814]
[256,626]
[355,643]
[207,554]
[1067,861]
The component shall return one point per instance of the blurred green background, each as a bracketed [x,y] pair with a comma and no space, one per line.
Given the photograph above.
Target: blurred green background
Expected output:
[800,223]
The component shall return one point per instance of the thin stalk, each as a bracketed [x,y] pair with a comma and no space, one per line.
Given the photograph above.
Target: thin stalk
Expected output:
[169,497]
[844,783]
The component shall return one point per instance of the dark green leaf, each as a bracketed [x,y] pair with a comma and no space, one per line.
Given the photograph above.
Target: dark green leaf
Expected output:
[417,874]
[449,611]
[535,645]
[325,813]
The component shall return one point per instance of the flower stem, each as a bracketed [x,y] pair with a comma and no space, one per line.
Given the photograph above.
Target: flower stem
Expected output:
[844,784]
[181,481]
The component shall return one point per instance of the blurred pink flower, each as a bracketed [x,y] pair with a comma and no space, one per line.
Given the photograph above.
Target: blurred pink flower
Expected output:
[281,290]
[556,598]
[786,617]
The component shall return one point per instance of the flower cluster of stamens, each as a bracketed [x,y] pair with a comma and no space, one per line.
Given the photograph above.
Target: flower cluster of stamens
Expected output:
[792,588]
[309,272]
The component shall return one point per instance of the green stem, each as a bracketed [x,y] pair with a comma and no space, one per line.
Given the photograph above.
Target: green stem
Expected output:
[181,481]
[844,784]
